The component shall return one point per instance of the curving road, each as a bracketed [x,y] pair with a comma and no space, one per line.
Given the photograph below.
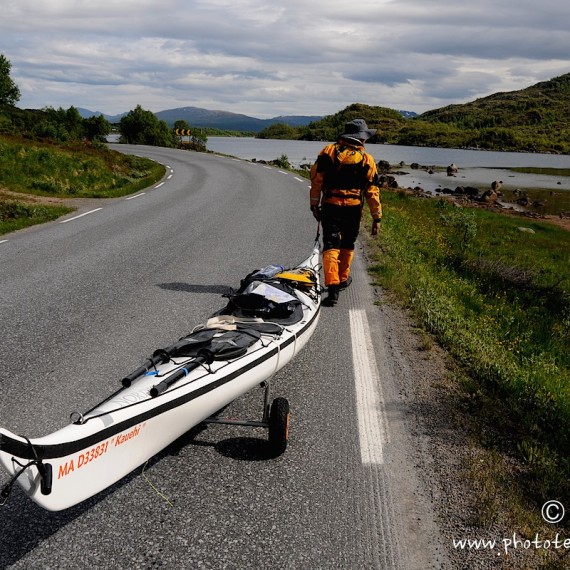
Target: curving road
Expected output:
[85,299]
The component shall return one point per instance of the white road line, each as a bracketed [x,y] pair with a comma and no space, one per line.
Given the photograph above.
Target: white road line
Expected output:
[299,179]
[372,425]
[268,167]
[169,177]
[159,185]
[283,172]
[80,215]
[135,196]
[3,240]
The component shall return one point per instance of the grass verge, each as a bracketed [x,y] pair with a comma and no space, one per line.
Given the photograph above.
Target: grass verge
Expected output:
[64,172]
[494,290]
[17,215]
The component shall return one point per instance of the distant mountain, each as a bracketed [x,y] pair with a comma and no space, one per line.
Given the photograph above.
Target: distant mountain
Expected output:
[226,121]
[295,120]
[223,120]
[86,114]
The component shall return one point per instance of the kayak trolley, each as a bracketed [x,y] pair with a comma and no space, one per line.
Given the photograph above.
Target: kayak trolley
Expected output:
[276,417]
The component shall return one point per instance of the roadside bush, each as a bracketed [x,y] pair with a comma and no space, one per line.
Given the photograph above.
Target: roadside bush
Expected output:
[282,162]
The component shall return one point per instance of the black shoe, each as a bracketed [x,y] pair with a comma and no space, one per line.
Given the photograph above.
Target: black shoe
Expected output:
[332,297]
[345,284]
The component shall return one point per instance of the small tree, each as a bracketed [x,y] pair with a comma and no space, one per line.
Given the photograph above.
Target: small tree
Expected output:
[199,140]
[143,127]
[181,124]
[59,125]
[462,222]
[278,131]
[96,128]
[9,92]
[73,122]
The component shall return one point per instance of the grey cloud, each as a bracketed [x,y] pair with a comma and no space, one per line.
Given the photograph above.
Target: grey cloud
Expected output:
[492,45]
[283,57]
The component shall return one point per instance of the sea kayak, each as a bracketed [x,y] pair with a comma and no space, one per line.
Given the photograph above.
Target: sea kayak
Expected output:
[264,324]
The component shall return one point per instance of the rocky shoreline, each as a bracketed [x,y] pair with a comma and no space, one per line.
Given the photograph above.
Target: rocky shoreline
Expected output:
[492,198]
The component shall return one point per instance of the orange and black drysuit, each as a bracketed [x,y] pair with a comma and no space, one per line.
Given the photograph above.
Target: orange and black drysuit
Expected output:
[342,178]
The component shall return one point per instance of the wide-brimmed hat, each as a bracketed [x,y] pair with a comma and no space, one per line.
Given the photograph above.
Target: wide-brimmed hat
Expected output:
[358,129]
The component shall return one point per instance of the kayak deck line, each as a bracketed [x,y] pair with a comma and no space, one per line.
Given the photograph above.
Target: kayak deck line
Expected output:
[266,322]
[23,451]
[181,365]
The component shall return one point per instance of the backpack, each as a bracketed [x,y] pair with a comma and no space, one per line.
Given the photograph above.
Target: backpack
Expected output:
[347,170]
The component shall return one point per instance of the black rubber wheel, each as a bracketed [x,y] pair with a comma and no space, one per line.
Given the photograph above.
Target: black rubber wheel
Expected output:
[279,416]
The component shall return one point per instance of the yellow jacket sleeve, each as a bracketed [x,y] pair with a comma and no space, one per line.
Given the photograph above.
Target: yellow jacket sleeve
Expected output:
[372,193]
[318,175]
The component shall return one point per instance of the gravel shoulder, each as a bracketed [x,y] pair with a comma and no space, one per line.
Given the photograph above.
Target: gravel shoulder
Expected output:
[437,448]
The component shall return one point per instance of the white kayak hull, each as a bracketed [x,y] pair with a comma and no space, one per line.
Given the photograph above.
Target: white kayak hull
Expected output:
[124,431]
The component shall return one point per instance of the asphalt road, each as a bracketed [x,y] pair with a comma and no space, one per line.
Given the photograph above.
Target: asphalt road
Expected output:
[86,301]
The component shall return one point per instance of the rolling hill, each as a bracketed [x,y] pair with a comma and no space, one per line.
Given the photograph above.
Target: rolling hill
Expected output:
[223,120]
[535,119]
[546,103]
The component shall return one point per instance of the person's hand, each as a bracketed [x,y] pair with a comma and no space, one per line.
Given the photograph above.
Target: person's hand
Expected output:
[375,227]
[316,213]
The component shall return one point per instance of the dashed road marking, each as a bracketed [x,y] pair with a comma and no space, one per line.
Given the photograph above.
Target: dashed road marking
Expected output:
[80,216]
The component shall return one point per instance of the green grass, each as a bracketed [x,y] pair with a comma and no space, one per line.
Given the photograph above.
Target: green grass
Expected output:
[498,300]
[72,171]
[15,215]
[61,171]
[541,170]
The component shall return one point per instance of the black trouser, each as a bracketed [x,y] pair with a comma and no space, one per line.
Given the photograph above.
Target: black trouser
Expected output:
[340,226]
[340,230]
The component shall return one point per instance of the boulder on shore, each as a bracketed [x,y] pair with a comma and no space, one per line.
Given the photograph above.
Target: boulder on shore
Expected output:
[452,169]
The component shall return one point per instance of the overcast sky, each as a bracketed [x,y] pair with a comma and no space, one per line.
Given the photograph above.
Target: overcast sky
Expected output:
[280,57]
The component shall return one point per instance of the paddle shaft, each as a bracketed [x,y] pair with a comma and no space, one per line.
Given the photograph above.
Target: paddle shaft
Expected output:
[161,387]
[150,363]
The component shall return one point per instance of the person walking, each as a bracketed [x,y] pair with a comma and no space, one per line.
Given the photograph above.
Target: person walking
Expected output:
[342,178]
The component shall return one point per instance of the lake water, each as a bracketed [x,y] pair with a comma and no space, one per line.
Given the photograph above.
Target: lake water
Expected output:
[476,168]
